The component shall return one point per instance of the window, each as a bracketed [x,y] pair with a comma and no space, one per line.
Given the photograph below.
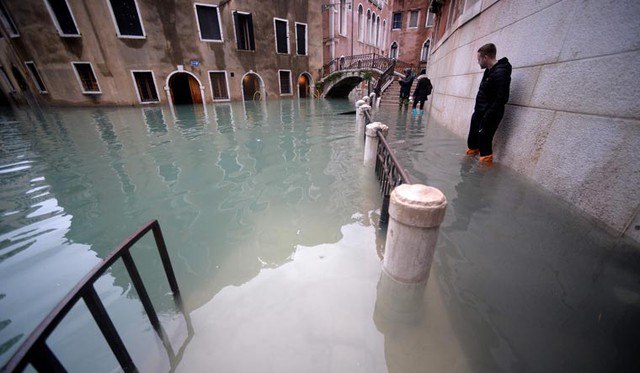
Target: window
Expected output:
[372,29]
[413,18]
[393,51]
[208,18]
[301,39]
[360,23]
[62,17]
[384,32]
[425,50]
[430,19]
[282,35]
[6,80]
[368,27]
[86,77]
[285,82]
[343,17]
[146,85]
[7,22]
[35,76]
[397,21]
[219,85]
[127,18]
[378,31]
[244,31]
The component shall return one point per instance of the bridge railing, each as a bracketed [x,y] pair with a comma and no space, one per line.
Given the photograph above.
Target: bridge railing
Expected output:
[363,61]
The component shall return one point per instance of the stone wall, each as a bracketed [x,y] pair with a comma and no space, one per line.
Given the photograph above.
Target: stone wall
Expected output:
[573,120]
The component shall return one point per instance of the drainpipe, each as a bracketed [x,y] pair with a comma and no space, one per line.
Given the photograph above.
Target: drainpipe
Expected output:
[170,101]
[204,102]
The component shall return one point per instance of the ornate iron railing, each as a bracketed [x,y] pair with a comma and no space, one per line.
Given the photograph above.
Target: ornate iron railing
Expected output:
[390,174]
[363,61]
[385,78]
[35,351]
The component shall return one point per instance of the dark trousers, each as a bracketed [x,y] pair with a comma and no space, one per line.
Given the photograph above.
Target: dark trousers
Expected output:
[415,102]
[481,131]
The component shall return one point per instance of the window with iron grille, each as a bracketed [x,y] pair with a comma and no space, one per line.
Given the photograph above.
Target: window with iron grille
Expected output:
[285,82]
[301,39]
[244,31]
[282,35]
[146,86]
[209,22]
[219,85]
[397,21]
[62,17]
[35,76]
[127,18]
[87,78]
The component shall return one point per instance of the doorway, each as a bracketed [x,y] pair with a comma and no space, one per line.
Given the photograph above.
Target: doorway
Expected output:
[185,89]
[304,85]
[252,87]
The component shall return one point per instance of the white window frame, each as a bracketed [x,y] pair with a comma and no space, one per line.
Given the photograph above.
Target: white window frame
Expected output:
[226,78]
[384,34]
[135,85]
[397,49]
[5,77]
[57,25]
[290,84]
[115,23]
[195,9]
[75,71]
[236,35]
[409,19]
[361,22]
[306,38]
[33,78]
[393,22]
[426,21]
[9,19]
[275,34]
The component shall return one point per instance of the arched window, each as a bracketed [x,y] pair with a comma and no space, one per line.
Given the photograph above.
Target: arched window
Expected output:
[393,51]
[343,17]
[384,32]
[366,30]
[425,50]
[378,32]
[372,33]
[360,23]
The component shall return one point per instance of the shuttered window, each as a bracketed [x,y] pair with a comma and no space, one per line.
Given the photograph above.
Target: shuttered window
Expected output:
[87,78]
[127,18]
[244,31]
[219,85]
[62,17]
[301,39]
[282,35]
[146,86]
[35,76]
[285,82]
[209,22]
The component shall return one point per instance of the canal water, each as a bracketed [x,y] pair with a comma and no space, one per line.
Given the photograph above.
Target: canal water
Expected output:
[272,226]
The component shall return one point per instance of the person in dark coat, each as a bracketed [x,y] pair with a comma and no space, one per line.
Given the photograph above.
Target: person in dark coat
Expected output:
[405,87]
[423,89]
[493,94]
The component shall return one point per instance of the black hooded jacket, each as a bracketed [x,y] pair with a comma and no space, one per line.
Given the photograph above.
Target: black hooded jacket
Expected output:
[423,88]
[493,93]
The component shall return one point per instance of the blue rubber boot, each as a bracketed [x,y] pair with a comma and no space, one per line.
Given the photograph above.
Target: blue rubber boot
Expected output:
[414,112]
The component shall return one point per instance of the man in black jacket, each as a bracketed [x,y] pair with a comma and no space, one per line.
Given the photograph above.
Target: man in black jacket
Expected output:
[493,94]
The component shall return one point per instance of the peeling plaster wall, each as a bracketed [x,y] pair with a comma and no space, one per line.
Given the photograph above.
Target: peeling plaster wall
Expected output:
[573,120]
[172,38]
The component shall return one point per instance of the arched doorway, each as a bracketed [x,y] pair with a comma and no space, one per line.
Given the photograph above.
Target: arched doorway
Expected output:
[185,89]
[252,88]
[304,85]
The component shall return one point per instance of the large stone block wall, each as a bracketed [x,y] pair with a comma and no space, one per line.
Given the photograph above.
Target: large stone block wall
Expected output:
[573,119]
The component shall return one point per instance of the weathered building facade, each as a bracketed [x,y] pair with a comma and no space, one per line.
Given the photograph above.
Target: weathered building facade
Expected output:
[572,123]
[132,52]
[412,25]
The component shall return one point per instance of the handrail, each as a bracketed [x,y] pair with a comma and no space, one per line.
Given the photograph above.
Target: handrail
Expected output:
[363,61]
[386,76]
[390,174]
[35,351]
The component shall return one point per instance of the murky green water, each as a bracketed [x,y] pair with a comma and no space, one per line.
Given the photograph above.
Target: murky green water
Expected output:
[271,223]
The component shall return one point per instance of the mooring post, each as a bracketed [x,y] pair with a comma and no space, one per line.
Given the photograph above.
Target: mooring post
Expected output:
[416,213]
[361,120]
[371,141]
[372,99]
[358,103]
[366,99]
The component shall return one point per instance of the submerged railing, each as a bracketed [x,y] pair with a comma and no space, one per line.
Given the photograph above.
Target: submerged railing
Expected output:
[35,351]
[390,174]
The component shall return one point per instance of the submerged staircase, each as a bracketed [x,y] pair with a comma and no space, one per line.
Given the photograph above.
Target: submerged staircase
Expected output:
[391,95]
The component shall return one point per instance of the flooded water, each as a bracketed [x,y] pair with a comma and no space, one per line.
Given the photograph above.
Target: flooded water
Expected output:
[272,226]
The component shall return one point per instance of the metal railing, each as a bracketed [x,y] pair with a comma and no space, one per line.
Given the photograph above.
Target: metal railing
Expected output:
[35,351]
[363,61]
[390,174]
[385,78]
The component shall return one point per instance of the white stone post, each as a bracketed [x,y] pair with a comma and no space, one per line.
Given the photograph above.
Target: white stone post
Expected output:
[371,141]
[378,102]
[366,99]
[372,99]
[359,103]
[361,120]
[416,212]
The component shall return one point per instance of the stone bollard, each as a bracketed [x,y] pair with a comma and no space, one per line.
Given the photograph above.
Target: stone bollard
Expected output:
[366,99]
[361,121]
[359,103]
[371,141]
[416,213]
[372,99]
